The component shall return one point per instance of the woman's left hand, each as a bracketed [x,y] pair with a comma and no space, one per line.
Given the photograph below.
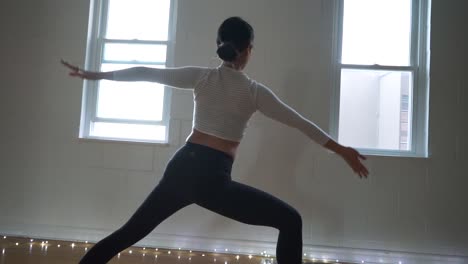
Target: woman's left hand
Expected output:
[77,72]
[353,158]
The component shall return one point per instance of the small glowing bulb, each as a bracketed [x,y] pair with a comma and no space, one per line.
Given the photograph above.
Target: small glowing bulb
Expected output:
[144,248]
[130,251]
[190,258]
[305,254]
[399,262]
[4,237]
[250,256]
[31,240]
[156,256]
[203,255]
[86,249]
[86,241]
[190,251]
[73,245]
[156,249]
[215,249]
[144,254]
[225,249]
[58,245]
[169,252]
[179,248]
[17,243]
[362,261]
[237,257]
[214,260]
[337,261]
[47,242]
[3,252]
[118,255]
[178,257]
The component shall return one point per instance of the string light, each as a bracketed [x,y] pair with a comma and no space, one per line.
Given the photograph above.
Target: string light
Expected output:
[86,241]
[4,237]
[130,251]
[169,252]
[73,245]
[237,257]
[31,240]
[58,245]
[250,256]
[144,248]
[17,243]
[3,252]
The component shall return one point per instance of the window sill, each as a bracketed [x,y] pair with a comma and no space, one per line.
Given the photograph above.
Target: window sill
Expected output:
[392,154]
[124,141]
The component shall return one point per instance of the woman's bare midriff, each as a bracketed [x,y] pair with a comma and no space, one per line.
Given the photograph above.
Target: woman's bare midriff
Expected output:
[227,146]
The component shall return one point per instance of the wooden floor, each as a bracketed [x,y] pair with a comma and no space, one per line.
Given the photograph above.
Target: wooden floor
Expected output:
[18,250]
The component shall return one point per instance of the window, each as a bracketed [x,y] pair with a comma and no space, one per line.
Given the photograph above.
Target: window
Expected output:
[380,73]
[125,34]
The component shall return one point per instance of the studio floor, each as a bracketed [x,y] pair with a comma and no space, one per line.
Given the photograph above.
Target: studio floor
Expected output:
[17,250]
[21,250]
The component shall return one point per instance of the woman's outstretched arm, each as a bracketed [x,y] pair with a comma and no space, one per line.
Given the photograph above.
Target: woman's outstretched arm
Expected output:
[270,105]
[184,77]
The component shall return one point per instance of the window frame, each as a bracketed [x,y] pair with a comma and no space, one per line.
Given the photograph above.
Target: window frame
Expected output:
[95,58]
[419,65]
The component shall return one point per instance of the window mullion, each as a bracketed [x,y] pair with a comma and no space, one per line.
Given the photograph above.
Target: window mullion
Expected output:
[133,62]
[136,41]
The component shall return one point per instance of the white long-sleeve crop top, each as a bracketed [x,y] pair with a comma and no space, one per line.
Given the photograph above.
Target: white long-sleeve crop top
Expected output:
[225,99]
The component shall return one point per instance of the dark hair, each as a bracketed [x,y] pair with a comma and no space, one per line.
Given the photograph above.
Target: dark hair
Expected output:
[234,36]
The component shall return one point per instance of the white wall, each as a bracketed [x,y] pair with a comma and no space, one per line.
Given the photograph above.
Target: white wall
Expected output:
[56,186]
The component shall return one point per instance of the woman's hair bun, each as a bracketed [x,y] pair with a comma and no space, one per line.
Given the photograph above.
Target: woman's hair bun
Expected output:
[227,52]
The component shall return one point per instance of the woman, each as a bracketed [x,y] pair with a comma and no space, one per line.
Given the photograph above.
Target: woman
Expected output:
[199,172]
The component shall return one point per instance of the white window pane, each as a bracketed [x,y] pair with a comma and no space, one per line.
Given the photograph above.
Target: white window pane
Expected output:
[135,52]
[377,32]
[375,109]
[129,100]
[128,131]
[138,19]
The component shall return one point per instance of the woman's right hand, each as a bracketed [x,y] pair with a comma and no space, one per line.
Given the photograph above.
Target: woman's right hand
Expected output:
[75,71]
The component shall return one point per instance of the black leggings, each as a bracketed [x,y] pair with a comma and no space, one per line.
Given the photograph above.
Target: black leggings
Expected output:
[202,175]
